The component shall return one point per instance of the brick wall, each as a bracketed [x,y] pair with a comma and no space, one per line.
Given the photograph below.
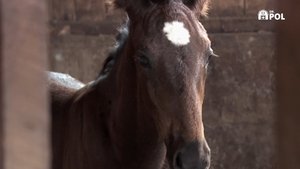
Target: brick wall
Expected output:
[239,106]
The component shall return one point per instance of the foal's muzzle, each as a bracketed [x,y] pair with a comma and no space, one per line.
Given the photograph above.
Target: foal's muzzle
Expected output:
[193,155]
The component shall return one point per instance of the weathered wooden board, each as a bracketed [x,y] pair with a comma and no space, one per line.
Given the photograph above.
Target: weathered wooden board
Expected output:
[237,24]
[1,106]
[24,94]
[221,8]
[77,10]
[84,17]
[93,18]
[253,6]
[289,86]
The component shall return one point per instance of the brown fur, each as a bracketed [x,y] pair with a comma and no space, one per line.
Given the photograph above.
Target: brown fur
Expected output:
[145,109]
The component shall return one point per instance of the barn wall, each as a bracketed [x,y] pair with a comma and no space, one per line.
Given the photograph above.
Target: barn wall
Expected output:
[239,106]
[240,94]
[240,98]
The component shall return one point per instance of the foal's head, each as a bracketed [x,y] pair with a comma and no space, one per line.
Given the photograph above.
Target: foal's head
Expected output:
[171,52]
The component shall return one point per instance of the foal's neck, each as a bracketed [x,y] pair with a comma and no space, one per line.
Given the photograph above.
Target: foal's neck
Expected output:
[134,134]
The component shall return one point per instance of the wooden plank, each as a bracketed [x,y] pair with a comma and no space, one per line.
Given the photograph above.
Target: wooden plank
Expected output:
[25,104]
[221,8]
[253,6]
[86,28]
[237,25]
[77,10]
[212,25]
[1,107]
[289,86]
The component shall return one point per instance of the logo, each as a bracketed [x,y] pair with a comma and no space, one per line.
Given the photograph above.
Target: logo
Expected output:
[270,15]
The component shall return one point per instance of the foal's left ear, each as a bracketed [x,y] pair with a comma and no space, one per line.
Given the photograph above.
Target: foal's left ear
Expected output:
[200,7]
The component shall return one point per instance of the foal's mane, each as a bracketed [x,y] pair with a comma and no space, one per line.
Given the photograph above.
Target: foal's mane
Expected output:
[121,38]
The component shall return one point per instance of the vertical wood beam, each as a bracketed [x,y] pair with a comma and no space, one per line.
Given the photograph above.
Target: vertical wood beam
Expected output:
[289,85]
[25,100]
[1,107]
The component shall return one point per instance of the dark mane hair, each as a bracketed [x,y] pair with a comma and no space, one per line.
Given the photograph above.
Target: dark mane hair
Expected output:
[113,55]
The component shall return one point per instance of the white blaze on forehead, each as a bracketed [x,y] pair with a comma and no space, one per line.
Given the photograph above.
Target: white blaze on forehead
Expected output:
[177,33]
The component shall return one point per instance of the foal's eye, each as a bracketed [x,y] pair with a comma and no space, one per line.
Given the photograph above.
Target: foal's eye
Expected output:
[143,60]
[208,61]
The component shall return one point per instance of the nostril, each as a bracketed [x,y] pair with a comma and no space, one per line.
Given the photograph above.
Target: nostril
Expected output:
[178,161]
